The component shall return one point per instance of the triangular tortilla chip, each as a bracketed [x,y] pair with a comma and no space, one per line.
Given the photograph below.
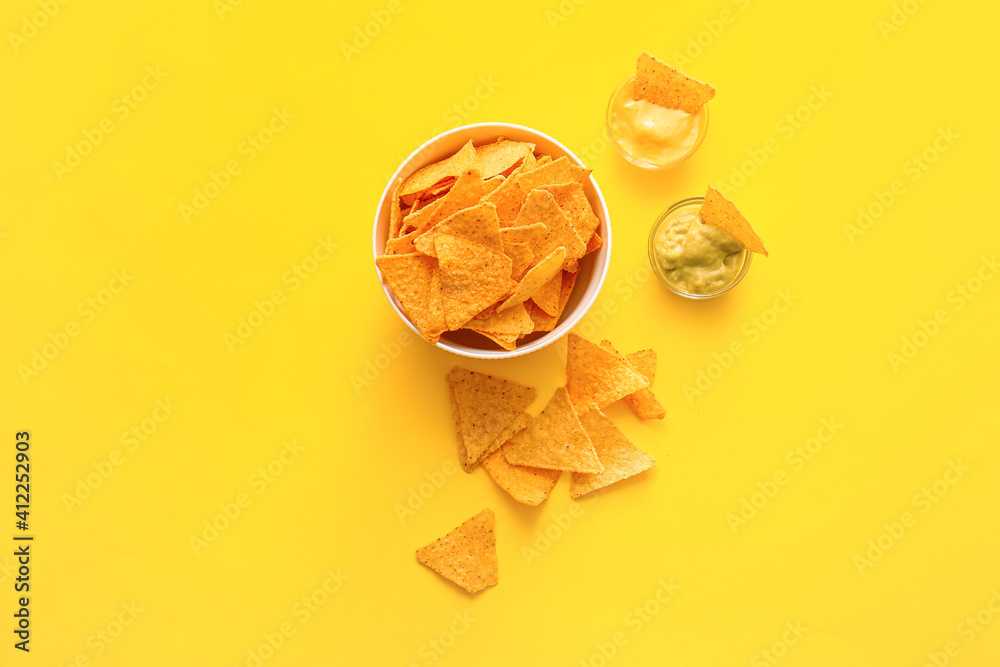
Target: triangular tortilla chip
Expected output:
[508,199]
[472,278]
[596,377]
[486,405]
[552,173]
[577,209]
[661,84]
[535,278]
[502,155]
[409,278]
[395,213]
[719,211]
[555,440]
[433,174]
[478,224]
[545,322]
[506,341]
[620,458]
[466,192]
[436,324]
[466,555]
[540,206]
[644,402]
[510,322]
[520,255]
[547,296]
[525,484]
[491,184]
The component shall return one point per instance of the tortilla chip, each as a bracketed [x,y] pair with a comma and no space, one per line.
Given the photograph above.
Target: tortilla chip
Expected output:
[719,211]
[545,322]
[477,224]
[544,160]
[661,84]
[531,234]
[547,296]
[402,245]
[466,555]
[577,209]
[432,175]
[466,192]
[472,278]
[540,206]
[508,199]
[436,324]
[595,377]
[644,402]
[551,173]
[594,243]
[491,184]
[395,213]
[505,341]
[527,164]
[525,484]
[535,278]
[509,322]
[621,459]
[502,156]
[555,440]
[521,256]
[487,406]
[409,277]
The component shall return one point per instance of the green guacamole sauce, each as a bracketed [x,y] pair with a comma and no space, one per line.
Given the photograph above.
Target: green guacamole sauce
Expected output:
[697,258]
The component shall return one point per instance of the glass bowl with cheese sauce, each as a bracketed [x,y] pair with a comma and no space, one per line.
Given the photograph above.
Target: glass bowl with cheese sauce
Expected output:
[651,136]
[694,259]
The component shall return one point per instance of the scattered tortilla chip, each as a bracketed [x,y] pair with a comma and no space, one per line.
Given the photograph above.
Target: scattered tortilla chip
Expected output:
[477,224]
[433,174]
[555,440]
[540,206]
[521,256]
[409,277]
[487,405]
[466,555]
[547,296]
[551,173]
[535,278]
[719,211]
[472,278]
[502,156]
[644,402]
[661,84]
[525,484]
[577,209]
[596,377]
[620,458]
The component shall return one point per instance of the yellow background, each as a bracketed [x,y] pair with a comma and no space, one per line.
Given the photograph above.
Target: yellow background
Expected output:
[369,443]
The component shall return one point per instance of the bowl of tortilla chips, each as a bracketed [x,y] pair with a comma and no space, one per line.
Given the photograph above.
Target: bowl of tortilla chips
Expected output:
[492,240]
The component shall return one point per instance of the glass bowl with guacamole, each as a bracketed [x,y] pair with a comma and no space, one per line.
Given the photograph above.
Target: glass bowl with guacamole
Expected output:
[694,259]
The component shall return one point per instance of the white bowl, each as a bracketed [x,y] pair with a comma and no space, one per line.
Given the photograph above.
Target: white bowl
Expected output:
[593,267]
